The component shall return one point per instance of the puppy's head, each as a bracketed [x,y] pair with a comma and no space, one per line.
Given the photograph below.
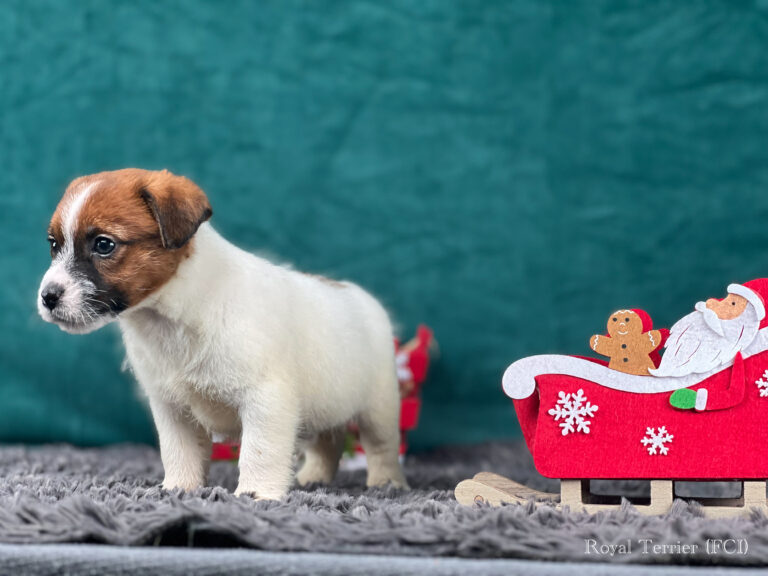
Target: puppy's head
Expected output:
[116,237]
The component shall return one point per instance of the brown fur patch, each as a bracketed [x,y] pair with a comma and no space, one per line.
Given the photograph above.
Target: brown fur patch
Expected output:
[118,206]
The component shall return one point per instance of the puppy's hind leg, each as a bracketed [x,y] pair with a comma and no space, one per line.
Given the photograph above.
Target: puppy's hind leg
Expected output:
[321,458]
[380,435]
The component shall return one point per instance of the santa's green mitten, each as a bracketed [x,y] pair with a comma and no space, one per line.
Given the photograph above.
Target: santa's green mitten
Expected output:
[685,399]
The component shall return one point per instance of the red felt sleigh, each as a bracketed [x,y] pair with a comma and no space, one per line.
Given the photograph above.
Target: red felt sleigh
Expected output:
[583,420]
[725,444]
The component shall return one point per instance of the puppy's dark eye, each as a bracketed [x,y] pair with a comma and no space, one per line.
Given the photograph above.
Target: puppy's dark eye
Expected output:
[54,244]
[103,246]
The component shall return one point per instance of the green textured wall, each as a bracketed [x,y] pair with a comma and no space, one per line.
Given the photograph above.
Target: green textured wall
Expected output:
[507,171]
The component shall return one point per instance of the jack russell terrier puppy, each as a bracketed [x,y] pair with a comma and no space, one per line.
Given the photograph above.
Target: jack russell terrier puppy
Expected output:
[223,342]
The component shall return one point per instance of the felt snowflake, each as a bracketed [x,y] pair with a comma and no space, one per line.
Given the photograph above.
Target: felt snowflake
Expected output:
[656,442]
[573,409]
[403,370]
[762,384]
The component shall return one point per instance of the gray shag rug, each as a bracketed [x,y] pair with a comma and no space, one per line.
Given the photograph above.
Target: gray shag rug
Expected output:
[60,494]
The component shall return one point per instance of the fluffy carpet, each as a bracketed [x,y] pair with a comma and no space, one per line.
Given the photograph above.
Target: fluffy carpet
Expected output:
[59,494]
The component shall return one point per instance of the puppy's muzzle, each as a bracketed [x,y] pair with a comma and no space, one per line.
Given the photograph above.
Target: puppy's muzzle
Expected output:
[51,296]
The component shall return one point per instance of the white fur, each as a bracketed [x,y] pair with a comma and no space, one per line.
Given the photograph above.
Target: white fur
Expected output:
[71,213]
[237,346]
[73,314]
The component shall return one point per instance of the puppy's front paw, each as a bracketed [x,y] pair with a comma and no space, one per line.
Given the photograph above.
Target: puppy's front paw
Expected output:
[258,494]
[183,484]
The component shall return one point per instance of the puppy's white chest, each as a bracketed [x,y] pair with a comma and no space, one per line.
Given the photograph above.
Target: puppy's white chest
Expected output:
[172,356]
[173,362]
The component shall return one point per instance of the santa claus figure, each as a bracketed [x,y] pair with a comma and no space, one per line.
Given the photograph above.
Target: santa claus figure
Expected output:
[717,333]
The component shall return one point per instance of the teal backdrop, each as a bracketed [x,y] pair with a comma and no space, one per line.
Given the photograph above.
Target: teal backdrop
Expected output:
[508,172]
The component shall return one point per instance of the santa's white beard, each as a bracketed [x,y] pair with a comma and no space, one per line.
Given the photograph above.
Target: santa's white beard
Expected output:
[700,342]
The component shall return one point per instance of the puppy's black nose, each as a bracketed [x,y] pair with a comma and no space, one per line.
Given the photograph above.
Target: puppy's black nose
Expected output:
[51,295]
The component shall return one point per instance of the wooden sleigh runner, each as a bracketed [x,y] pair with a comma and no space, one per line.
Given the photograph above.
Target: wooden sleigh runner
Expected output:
[495,490]
[584,421]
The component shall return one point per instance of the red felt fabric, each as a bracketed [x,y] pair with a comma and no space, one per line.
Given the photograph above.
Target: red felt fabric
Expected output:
[731,395]
[409,413]
[727,443]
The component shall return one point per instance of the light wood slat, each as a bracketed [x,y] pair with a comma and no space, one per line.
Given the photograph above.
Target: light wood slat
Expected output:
[494,489]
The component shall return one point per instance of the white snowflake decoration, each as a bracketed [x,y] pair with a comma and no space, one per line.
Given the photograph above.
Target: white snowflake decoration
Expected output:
[404,373]
[573,410]
[762,385]
[654,441]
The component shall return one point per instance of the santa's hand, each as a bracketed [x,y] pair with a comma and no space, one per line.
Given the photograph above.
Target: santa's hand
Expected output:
[685,399]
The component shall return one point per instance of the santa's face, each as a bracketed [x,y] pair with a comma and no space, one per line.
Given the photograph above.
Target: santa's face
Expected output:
[709,337]
[729,307]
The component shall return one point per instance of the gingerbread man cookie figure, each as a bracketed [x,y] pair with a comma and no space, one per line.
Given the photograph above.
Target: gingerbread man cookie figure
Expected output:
[630,342]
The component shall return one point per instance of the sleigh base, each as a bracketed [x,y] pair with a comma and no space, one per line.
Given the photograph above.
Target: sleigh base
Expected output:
[495,490]
[489,488]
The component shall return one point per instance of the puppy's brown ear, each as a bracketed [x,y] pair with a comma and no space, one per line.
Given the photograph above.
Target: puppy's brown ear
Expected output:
[178,205]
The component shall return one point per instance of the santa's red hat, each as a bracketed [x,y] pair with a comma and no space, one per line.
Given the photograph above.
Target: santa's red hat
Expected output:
[645,318]
[756,293]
